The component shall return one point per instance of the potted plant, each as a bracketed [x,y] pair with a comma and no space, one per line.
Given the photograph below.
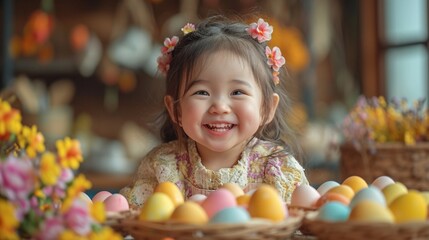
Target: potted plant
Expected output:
[387,138]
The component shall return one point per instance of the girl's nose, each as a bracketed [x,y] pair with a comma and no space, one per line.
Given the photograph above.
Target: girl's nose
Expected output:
[219,107]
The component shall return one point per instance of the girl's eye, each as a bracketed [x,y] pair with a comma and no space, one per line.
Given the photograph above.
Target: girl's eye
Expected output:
[237,92]
[201,92]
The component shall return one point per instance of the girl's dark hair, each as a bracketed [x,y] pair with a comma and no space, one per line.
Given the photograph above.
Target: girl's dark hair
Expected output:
[221,33]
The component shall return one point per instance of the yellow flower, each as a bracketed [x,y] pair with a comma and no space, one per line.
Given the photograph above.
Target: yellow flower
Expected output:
[8,220]
[409,138]
[39,193]
[49,169]
[80,184]
[32,140]
[98,212]
[105,233]
[69,235]
[10,120]
[69,153]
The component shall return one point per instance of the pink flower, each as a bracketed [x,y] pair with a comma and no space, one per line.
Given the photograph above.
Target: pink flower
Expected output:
[169,44]
[66,176]
[78,218]
[51,228]
[164,62]
[22,207]
[275,58]
[17,178]
[188,28]
[261,30]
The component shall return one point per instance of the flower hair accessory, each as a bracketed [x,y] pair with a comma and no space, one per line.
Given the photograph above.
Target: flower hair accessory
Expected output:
[169,45]
[262,31]
[188,28]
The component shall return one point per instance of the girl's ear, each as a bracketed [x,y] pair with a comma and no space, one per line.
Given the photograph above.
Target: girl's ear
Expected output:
[273,108]
[169,104]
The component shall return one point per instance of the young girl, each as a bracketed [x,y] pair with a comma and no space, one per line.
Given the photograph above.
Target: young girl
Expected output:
[226,106]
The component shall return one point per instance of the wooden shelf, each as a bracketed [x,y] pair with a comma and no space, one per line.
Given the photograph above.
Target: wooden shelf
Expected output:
[103,181]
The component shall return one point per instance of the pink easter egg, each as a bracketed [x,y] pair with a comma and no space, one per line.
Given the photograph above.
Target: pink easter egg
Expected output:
[218,200]
[116,203]
[101,196]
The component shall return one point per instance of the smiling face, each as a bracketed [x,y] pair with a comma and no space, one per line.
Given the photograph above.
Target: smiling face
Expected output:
[220,106]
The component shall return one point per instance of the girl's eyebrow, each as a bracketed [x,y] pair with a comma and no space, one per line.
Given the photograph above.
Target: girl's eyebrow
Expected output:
[237,81]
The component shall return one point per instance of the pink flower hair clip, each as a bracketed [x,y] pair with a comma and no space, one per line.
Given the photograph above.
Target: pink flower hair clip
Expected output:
[166,54]
[261,31]
[275,60]
[169,45]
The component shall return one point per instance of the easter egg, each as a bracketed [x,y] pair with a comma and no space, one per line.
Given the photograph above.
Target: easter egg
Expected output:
[116,203]
[370,211]
[304,196]
[331,197]
[370,193]
[334,212]
[392,191]
[344,190]
[189,213]
[172,191]
[231,215]
[243,200]
[101,196]
[356,183]
[409,207]
[198,198]
[324,187]
[85,197]
[218,200]
[266,203]
[382,181]
[157,208]
[234,188]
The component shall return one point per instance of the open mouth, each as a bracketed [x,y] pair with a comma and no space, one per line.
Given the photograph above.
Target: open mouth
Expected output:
[219,127]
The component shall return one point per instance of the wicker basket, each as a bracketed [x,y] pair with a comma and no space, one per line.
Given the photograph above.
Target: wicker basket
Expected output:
[256,229]
[406,164]
[324,230]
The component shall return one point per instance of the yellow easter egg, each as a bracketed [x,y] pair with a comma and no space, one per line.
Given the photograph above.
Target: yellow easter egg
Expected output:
[392,191]
[157,208]
[370,211]
[266,203]
[234,188]
[409,207]
[425,194]
[172,191]
[344,190]
[356,183]
[243,200]
[190,213]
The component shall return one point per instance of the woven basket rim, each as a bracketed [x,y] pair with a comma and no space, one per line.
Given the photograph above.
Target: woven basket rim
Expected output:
[370,230]
[255,227]
[390,145]
[171,225]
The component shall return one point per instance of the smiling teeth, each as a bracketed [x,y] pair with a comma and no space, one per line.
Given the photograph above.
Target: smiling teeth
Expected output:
[219,127]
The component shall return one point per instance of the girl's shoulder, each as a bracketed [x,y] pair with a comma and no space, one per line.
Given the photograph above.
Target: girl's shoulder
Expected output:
[265,147]
[164,150]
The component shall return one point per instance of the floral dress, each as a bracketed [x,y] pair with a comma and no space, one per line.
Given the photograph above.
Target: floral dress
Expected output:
[260,162]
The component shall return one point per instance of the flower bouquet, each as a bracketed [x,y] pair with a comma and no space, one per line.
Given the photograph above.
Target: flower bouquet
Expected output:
[40,198]
[387,138]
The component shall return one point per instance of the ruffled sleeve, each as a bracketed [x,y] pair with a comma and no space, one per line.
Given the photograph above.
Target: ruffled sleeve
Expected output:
[143,183]
[285,173]
[159,165]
